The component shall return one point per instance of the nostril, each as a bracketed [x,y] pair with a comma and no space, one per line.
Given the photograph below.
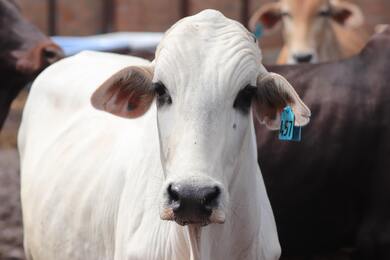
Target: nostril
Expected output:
[302,58]
[192,203]
[173,193]
[211,196]
[51,54]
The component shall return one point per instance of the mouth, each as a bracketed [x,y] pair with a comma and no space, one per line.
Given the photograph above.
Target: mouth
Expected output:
[217,217]
[184,222]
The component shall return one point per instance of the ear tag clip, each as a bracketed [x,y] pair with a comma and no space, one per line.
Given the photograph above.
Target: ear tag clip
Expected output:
[288,131]
[258,31]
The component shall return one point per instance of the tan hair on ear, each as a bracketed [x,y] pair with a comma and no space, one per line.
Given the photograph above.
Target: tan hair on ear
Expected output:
[268,15]
[274,93]
[128,93]
[347,14]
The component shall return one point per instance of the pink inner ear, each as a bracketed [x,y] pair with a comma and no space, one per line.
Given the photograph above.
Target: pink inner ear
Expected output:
[128,93]
[341,16]
[265,111]
[274,93]
[269,19]
[137,105]
[128,101]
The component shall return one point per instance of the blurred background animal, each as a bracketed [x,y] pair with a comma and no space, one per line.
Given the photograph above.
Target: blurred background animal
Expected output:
[24,52]
[330,191]
[314,30]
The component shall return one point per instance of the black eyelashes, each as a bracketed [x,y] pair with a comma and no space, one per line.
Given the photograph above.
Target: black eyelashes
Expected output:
[163,96]
[244,98]
[159,88]
[242,102]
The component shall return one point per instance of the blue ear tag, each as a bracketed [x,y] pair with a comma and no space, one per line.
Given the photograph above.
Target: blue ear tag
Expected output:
[258,31]
[287,131]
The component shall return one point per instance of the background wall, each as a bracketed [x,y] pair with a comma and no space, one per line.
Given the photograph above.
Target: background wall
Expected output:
[85,17]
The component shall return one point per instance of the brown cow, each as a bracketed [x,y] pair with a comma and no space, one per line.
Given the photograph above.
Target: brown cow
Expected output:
[314,30]
[331,190]
[24,52]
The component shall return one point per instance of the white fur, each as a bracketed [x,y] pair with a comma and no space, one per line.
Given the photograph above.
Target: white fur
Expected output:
[92,183]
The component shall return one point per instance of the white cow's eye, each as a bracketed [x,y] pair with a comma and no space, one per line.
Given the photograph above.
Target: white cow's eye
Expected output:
[163,96]
[244,99]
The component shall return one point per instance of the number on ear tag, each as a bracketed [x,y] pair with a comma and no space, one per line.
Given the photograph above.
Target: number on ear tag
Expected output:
[288,131]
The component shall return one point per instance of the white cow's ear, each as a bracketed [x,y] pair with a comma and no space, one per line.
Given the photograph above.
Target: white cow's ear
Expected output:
[128,93]
[347,14]
[268,15]
[274,93]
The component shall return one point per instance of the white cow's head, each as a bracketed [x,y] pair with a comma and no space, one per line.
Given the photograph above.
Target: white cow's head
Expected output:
[206,74]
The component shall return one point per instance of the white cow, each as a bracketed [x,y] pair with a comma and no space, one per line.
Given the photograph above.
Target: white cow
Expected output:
[179,155]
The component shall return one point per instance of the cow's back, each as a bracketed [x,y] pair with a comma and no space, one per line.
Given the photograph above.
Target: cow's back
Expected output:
[74,159]
[53,101]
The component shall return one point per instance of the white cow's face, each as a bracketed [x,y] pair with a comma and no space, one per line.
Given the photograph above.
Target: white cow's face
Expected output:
[205,68]
[206,73]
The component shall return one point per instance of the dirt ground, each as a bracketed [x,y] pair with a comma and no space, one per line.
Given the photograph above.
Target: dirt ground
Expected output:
[10,215]
[11,235]
[11,243]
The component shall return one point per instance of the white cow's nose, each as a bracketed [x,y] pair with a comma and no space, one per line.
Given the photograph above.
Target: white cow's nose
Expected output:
[192,204]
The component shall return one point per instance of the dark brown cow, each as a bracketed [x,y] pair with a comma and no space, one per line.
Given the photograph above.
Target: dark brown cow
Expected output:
[24,52]
[332,190]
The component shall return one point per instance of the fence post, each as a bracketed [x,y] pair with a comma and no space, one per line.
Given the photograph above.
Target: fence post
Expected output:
[108,14]
[244,12]
[184,8]
[52,17]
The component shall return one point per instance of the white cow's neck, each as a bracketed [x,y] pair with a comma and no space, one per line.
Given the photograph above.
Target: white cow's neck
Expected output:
[238,237]
[194,233]
[174,242]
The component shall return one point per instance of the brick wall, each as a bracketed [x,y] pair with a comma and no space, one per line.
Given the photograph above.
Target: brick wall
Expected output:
[145,15]
[79,17]
[230,8]
[84,17]
[36,11]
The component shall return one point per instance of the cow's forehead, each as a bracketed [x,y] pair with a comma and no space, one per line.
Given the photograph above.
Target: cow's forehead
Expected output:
[305,6]
[208,23]
[208,47]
